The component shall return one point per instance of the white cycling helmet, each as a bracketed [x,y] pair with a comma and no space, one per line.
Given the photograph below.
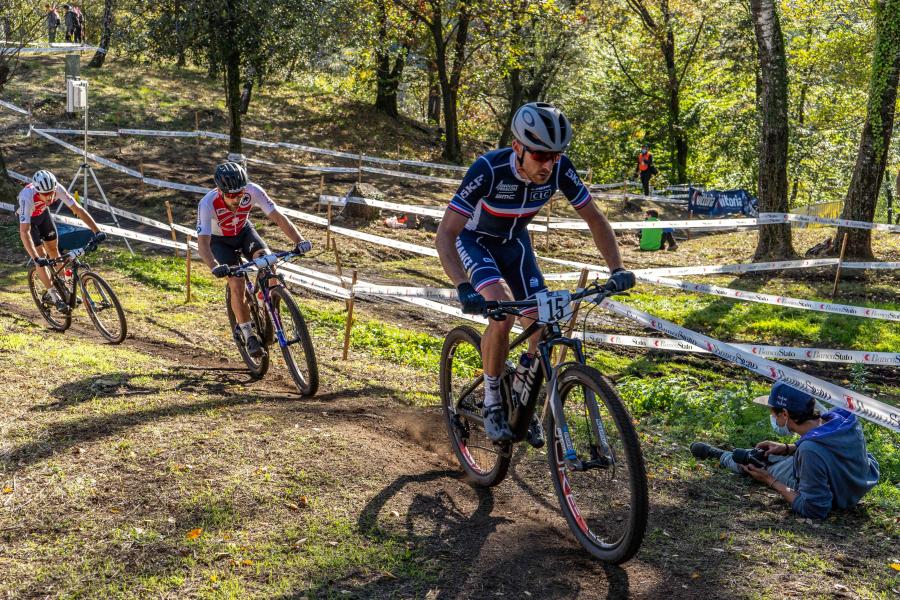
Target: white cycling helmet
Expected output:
[44,181]
[541,126]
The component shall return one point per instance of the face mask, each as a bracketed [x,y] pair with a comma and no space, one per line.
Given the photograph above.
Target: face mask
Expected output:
[779,429]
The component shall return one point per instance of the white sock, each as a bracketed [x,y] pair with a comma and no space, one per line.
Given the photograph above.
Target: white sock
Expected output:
[491,390]
[246,329]
[54,294]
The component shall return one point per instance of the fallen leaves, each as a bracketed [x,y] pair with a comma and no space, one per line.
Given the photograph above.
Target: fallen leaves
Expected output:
[193,534]
[8,490]
[895,566]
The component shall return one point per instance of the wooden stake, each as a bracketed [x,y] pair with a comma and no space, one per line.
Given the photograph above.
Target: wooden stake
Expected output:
[590,175]
[328,229]
[582,281]
[321,191]
[837,273]
[187,255]
[171,224]
[547,234]
[337,259]
[142,176]
[359,169]
[349,323]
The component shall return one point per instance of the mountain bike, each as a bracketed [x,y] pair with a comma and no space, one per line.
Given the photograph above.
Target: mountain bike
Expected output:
[69,275]
[274,316]
[594,455]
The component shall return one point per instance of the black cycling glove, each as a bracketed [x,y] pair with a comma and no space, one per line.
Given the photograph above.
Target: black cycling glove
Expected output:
[99,237]
[620,280]
[303,247]
[42,261]
[221,270]
[472,302]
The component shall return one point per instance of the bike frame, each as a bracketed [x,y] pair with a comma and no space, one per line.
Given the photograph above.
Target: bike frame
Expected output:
[263,276]
[521,414]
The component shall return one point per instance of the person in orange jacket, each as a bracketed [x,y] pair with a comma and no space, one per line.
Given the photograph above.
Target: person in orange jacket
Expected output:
[645,169]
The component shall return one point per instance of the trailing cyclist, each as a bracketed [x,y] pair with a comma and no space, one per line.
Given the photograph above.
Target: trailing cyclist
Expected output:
[485,248]
[224,232]
[38,231]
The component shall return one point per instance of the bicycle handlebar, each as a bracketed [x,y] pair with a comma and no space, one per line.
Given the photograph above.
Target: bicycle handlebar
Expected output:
[495,309]
[263,262]
[73,254]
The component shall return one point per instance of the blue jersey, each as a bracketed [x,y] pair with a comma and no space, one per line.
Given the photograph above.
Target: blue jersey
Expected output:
[499,203]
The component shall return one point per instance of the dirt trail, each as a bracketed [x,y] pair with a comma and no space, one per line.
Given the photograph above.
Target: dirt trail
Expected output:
[510,540]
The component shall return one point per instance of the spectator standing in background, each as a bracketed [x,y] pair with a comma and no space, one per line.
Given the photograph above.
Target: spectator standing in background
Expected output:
[52,23]
[645,169]
[79,25]
[70,21]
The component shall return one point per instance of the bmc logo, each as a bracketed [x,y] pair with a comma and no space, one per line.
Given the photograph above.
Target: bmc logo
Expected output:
[464,193]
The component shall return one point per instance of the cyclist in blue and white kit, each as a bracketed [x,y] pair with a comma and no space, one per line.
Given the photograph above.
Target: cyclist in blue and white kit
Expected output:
[485,248]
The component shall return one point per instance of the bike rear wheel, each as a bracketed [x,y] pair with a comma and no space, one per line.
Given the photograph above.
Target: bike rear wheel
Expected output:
[462,395]
[605,503]
[260,320]
[295,341]
[103,307]
[57,320]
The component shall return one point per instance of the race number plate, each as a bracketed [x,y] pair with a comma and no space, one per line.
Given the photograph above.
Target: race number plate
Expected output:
[553,306]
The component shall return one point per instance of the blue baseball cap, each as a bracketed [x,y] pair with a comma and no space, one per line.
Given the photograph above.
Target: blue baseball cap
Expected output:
[790,398]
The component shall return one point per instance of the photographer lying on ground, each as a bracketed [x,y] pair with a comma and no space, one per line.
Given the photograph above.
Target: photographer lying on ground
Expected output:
[828,467]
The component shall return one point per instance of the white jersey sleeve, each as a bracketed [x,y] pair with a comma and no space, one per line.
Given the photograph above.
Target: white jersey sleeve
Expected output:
[64,195]
[260,198]
[26,204]
[206,214]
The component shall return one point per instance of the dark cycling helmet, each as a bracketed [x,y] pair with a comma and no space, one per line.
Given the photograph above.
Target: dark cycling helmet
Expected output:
[230,177]
[541,126]
[44,181]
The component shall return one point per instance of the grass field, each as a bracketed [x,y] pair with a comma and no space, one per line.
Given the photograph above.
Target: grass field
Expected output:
[159,469]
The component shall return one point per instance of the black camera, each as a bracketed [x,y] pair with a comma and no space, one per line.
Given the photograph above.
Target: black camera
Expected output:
[750,456]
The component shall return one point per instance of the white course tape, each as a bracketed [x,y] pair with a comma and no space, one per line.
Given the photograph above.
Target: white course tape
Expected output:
[783,352]
[864,406]
[383,241]
[89,155]
[657,199]
[13,107]
[91,132]
[405,175]
[55,49]
[156,133]
[174,186]
[839,222]
[317,168]
[401,208]
[841,309]
[680,224]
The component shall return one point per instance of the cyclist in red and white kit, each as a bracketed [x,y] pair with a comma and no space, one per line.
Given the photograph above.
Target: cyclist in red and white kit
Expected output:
[38,232]
[224,233]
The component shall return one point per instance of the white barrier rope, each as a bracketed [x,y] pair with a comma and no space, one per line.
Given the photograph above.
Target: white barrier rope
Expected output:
[859,404]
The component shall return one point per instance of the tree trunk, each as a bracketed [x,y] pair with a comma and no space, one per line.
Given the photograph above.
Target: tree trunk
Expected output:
[231,55]
[516,98]
[388,82]
[449,80]
[434,95]
[673,101]
[105,35]
[772,105]
[862,196]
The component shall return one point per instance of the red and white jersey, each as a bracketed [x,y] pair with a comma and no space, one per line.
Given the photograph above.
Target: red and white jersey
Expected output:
[215,218]
[31,205]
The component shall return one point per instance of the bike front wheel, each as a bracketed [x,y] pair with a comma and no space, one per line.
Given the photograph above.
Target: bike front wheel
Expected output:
[103,307]
[462,395]
[57,320]
[295,341]
[260,320]
[603,491]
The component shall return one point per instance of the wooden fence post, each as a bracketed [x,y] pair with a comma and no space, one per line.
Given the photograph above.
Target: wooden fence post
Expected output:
[197,128]
[171,224]
[337,259]
[321,191]
[582,281]
[141,169]
[328,228]
[349,323]
[359,169]
[837,274]
[187,255]
[547,234]
[590,175]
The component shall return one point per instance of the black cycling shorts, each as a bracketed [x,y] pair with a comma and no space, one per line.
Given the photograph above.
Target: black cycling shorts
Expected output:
[227,249]
[43,228]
